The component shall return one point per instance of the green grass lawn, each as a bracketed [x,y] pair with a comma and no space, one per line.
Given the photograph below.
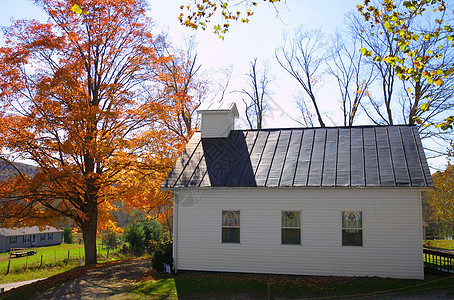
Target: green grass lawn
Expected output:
[219,285]
[439,244]
[54,261]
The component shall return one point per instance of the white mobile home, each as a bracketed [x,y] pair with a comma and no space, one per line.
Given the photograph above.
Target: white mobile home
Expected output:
[342,201]
[29,237]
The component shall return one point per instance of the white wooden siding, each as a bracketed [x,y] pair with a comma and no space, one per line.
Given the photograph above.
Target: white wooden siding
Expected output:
[392,232]
[217,124]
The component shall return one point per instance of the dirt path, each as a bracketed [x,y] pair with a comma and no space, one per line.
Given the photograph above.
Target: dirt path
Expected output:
[101,283]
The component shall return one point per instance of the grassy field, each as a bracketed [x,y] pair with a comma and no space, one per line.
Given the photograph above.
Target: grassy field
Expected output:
[47,261]
[439,244]
[221,286]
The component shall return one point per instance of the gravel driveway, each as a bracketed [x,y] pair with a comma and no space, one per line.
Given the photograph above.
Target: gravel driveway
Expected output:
[101,283]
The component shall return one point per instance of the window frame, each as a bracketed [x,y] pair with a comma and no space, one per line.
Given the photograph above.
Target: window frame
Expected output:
[360,229]
[238,227]
[50,236]
[13,240]
[291,228]
[42,237]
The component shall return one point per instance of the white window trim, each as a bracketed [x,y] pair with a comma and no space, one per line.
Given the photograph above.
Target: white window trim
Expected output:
[342,227]
[222,226]
[300,228]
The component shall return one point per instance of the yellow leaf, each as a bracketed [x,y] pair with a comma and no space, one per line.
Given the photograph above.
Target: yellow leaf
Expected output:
[76,8]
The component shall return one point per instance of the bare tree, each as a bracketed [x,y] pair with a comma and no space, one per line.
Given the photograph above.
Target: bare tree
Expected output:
[380,110]
[221,84]
[302,58]
[352,73]
[305,118]
[258,93]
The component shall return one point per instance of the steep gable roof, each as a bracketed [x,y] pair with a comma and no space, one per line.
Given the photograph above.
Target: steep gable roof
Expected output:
[363,156]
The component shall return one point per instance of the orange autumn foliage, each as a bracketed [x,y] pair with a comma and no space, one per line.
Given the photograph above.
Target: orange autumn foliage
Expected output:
[93,102]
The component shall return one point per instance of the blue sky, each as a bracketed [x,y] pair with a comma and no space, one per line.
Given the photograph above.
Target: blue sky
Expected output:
[242,44]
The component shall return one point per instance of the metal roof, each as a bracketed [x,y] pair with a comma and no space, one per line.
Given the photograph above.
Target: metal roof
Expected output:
[363,156]
[27,231]
[216,107]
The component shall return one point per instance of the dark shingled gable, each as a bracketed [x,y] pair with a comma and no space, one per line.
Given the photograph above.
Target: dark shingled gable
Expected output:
[363,156]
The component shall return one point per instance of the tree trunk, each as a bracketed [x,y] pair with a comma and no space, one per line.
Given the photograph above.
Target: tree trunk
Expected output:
[89,230]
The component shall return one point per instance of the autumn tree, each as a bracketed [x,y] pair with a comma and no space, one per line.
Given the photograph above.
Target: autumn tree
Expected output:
[199,13]
[420,49]
[439,204]
[82,98]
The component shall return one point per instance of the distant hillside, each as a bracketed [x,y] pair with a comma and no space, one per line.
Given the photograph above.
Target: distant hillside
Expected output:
[7,171]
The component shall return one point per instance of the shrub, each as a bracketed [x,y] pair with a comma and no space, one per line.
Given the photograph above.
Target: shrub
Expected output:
[162,255]
[135,237]
[143,235]
[68,235]
[110,239]
[152,230]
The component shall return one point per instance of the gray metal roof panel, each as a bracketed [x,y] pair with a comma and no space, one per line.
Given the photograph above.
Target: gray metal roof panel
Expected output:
[291,158]
[304,158]
[398,157]
[364,156]
[343,158]
[357,176]
[370,157]
[276,170]
[385,168]
[330,158]
[267,158]
[317,158]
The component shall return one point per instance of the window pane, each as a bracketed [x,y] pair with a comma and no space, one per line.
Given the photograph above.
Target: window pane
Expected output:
[352,237]
[291,219]
[352,219]
[230,235]
[230,218]
[291,236]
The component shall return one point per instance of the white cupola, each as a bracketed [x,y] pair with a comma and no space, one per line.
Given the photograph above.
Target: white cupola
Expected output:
[218,119]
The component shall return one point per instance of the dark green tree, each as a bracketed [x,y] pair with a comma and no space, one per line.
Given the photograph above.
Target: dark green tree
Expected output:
[68,237]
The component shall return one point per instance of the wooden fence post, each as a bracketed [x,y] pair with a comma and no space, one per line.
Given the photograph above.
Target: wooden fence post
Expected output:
[271,295]
[7,269]
[68,257]
[26,262]
[41,264]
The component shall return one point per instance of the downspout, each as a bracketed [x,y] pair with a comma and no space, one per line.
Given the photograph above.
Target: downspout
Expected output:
[421,233]
[175,233]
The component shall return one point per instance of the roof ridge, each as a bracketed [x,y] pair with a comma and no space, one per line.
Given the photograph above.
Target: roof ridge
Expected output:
[326,127]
